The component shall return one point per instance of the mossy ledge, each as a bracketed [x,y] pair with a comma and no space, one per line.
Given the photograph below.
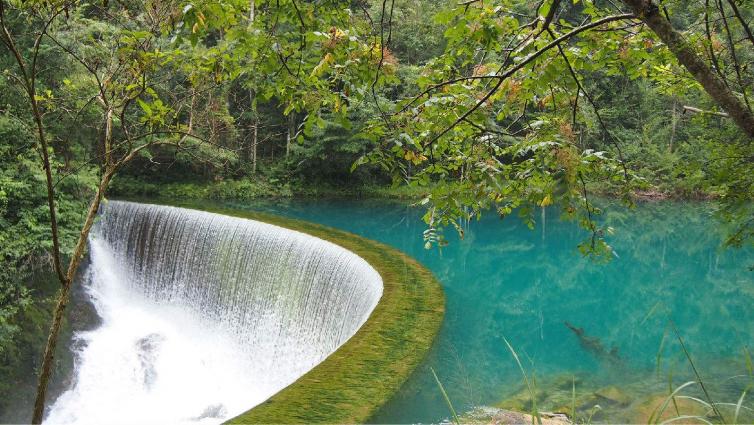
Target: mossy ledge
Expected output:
[351,384]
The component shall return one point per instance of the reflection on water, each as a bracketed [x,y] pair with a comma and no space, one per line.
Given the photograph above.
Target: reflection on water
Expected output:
[602,327]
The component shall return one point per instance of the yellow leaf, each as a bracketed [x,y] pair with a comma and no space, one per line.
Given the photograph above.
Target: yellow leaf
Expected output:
[323,65]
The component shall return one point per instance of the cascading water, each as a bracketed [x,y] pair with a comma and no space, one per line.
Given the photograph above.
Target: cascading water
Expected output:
[205,316]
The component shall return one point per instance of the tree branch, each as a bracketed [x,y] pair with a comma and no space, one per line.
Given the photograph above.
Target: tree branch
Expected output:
[684,52]
[501,78]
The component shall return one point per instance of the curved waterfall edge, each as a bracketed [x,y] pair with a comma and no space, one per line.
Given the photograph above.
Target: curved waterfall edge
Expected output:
[351,384]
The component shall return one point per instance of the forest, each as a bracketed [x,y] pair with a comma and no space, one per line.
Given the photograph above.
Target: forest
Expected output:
[463,109]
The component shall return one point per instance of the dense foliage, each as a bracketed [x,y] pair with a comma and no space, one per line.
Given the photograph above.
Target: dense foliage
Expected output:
[509,105]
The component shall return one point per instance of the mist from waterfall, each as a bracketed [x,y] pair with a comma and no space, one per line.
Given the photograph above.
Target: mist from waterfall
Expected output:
[205,316]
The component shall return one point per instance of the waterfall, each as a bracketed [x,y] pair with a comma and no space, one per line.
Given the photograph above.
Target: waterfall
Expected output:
[205,316]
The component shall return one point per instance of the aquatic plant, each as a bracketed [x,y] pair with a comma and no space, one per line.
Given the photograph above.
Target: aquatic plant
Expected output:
[447,400]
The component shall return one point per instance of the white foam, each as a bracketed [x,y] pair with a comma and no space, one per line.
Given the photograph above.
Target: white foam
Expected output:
[205,316]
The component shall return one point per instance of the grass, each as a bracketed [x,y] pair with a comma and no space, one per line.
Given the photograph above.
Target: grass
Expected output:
[690,402]
[709,406]
[530,385]
[364,373]
[446,398]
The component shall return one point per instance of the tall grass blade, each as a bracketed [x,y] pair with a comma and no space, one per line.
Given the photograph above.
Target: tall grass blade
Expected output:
[651,311]
[659,410]
[695,400]
[684,417]
[734,405]
[573,399]
[447,399]
[670,391]
[532,394]
[738,407]
[696,373]
[659,351]
[594,410]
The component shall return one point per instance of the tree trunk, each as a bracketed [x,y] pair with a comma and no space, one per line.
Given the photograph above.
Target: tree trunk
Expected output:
[289,135]
[650,14]
[49,354]
[63,297]
[255,118]
[254,139]
[673,124]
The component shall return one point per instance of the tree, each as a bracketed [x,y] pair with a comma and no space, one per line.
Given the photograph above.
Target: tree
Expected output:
[716,86]
[504,117]
[122,62]
[150,76]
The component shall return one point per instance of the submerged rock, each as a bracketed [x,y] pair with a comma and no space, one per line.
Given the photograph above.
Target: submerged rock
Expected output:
[650,406]
[566,381]
[495,416]
[521,401]
[613,395]
[508,417]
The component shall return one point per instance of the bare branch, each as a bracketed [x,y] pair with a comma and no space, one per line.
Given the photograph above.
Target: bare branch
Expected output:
[695,110]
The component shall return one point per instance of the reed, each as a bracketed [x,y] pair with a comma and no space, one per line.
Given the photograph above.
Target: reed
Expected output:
[446,398]
[530,385]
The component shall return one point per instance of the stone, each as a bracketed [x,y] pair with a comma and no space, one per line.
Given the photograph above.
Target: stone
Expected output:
[509,417]
[566,382]
[644,410]
[521,401]
[486,415]
[613,395]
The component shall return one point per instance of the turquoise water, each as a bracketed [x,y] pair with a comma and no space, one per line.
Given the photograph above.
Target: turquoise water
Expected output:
[506,281]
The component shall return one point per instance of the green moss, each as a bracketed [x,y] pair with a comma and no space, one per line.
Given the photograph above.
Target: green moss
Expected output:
[363,374]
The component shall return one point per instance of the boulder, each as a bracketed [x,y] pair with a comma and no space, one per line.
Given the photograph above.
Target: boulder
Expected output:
[487,415]
[645,408]
[613,395]
[509,417]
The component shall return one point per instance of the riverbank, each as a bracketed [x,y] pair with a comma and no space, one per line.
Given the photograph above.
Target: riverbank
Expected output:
[258,188]
[248,189]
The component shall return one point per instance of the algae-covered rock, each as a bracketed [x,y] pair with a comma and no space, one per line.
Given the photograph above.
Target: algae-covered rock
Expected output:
[555,395]
[644,410]
[566,382]
[613,395]
[522,400]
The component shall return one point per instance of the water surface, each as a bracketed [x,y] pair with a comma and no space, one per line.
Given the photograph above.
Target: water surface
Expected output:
[506,281]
